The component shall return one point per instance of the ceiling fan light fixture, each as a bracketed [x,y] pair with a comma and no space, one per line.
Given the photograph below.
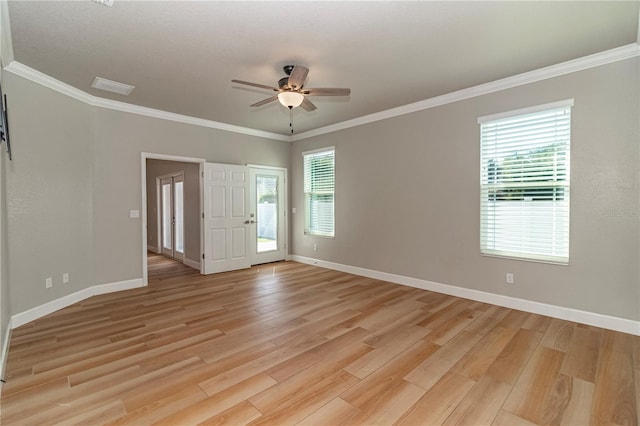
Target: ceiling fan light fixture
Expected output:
[290,99]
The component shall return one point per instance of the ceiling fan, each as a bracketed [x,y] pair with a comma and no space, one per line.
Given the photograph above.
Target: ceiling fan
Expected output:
[291,90]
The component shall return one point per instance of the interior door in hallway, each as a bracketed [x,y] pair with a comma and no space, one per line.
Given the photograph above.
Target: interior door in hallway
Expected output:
[172,216]
[226,218]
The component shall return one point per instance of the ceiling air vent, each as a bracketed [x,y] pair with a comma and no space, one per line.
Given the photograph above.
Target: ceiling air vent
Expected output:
[112,86]
[104,2]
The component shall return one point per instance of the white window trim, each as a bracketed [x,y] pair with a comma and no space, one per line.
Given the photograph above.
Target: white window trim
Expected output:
[306,231]
[528,110]
[514,113]
[313,151]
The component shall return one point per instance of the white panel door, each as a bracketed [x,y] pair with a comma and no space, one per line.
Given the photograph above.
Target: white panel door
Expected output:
[226,218]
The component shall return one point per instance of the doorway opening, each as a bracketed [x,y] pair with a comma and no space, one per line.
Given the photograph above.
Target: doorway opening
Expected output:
[213,217]
[244,216]
[171,227]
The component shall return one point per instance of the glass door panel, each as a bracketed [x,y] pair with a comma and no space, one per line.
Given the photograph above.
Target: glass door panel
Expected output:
[179,214]
[171,205]
[167,217]
[267,211]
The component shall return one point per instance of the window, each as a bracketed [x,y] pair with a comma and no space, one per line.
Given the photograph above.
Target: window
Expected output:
[524,207]
[319,185]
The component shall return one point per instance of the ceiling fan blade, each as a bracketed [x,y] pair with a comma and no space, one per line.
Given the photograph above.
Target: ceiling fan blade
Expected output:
[298,76]
[327,92]
[247,83]
[307,105]
[264,101]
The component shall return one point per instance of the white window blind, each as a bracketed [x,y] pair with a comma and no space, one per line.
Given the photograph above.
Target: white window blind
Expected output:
[524,208]
[319,186]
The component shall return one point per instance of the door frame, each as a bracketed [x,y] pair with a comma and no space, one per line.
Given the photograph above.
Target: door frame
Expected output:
[285,203]
[144,156]
[153,156]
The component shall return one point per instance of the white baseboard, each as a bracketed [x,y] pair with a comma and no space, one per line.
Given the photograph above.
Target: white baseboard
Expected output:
[153,249]
[584,317]
[193,263]
[55,305]
[5,353]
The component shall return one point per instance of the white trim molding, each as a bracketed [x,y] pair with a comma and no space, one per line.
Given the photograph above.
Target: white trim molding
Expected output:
[4,354]
[5,34]
[527,110]
[55,305]
[638,37]
[569,314]
[192,263]
[43,79]
[602,58]
[590,61]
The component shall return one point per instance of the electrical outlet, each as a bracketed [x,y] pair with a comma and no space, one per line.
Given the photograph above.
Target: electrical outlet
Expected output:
[48,283]
[65,278]
[315,247]
[509,278]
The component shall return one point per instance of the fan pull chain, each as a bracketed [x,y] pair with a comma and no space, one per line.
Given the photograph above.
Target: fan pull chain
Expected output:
[291,118]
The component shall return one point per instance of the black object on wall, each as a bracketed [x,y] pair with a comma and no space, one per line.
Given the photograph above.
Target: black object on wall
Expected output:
[4,123]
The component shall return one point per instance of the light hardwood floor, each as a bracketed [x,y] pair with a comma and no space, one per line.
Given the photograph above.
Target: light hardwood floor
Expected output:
[287,343]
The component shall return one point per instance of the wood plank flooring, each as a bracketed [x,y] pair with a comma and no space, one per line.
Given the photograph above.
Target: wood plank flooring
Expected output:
[288,343]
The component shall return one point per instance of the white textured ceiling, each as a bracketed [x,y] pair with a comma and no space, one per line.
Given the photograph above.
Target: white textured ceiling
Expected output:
[181,56]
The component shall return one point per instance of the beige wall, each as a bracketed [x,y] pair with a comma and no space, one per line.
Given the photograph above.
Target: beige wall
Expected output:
[407,195]
[49,194]
[407,192]
[119,140]
[157,168]
[75,175]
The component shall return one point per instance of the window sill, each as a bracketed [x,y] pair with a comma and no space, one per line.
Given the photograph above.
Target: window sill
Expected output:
[526,259]
[328,237]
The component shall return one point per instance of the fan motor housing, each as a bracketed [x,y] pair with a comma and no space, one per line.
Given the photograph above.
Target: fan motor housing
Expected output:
[283,82]
[287,69]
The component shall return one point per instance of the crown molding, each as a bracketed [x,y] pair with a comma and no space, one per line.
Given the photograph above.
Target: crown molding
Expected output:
[591,61]
[638,37]
[165,115]
[586,62]
[43,79]
[6,43]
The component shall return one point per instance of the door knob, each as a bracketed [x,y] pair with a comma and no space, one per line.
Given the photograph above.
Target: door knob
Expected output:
[247,221]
